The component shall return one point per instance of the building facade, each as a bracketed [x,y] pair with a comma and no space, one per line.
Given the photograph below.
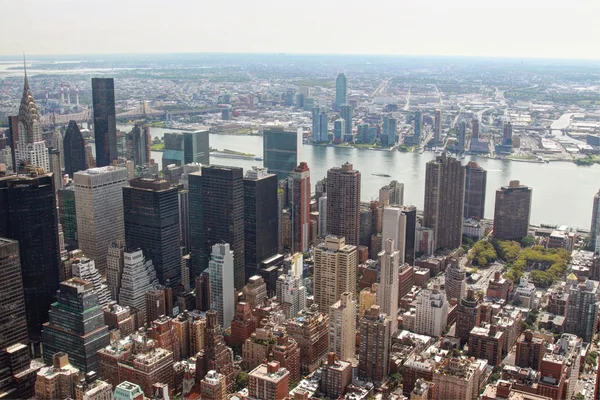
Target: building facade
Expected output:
[222,289]
[105,122]
[343,202]
[512,211]
[475,185]
[342,327]
[281,150]
[299,188]
[374,351]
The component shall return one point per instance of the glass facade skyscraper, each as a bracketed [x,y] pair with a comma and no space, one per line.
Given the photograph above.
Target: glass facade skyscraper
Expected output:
[105,123]
[341,90]
[185,148]
[74,149]
[281,149]
[13,324]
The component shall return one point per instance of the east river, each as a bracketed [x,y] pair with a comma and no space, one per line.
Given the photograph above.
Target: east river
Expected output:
[562,191]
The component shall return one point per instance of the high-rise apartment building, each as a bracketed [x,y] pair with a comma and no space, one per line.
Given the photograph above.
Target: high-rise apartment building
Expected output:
[387,290]
[315,124]
[487,342]
[213,386]
[444,201]
[299,188]
[222,290]
[595,227]
[346,112]
[374,352]
[323,126]
[99,210]
[28,215]
[475,184]
[512,211]
[475,126]
[342,327]
[216,354]
[12,303]
[269,382]
[58,380]
[255,291]
[216,216]
[456,378]
[339,127]
[323,215]
[341,90]
[467,316]
[74,150]
[105,122]
[431,312]
[336,375]
[394,228]
[310,329]
[260,218]
[335,265]
[417,130]
[30,146]
[343,202]
[531,349]
[437,127]
[507,133]
[76,325]
[282,149]
[291,293]
[582,308]
[151,216]
[462,132]
[455,281]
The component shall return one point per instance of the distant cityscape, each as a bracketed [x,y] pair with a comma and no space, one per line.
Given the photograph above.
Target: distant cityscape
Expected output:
[140,262]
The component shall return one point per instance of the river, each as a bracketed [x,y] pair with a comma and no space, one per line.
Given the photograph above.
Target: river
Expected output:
[562,191]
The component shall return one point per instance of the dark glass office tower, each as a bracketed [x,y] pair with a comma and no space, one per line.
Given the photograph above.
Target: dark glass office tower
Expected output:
[260,218]
[475,183]
[105,123]
[67,216]
[151,215]
[281,149]
[140,143]
[30,217]
[217,215]
[76,326]
[74,149]
[13,324]
[411,233]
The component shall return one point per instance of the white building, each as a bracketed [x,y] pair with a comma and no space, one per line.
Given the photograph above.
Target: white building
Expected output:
[85,268]
[394,227]
[99,210]
[473,229]
[431,312]
[342,327]
[525,293]
[291,294]
[387,291]
[222,290]
[137,278]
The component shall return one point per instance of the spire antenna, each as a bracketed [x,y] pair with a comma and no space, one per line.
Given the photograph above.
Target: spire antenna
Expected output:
[24,65]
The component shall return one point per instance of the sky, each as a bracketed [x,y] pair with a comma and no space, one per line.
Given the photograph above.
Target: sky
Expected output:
[499,28]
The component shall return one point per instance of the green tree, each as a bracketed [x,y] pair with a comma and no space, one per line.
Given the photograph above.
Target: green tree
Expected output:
[527,241]
[241,381]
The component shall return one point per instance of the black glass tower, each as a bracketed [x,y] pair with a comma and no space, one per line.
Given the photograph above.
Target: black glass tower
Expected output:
[105,123]
[196,147]
[151,214]
[29,216]
[411,233]
[281,149]
[74,150]
[76,326]
[67,216]
[216,197]
[13,324]
[260,218]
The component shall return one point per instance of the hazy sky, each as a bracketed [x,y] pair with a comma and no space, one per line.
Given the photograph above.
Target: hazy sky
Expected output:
[520,28]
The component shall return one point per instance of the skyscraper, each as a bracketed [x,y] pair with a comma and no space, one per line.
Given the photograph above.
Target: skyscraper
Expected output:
[346,114]
[339,127]
[260,218]
[217,215]
[417,128]
[316,133]
[299,187]
[151,217]
[512,211]
[444,201]
[76,326]
[394,228]
[335,264]
[185,148]
[431,312]
[410,239]
[28,215]
[281,150]
[105,122]
[343,202]
[30,146]
[475,184]
[391,132]
[375,340]
[341,90]
[582,308]
[595,228]
[455,281]
[342,327]
[140,143]
[507,133]
[291,292]
[323,126]
[222,291]
[12,303]
[85,269]
[74,150]
[437,128]
[387,290]
[462,132]
[467,316]
[99,210]
[55,167]
[475,125]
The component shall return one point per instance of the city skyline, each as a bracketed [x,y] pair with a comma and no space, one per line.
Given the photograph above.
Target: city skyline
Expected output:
[433,21]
